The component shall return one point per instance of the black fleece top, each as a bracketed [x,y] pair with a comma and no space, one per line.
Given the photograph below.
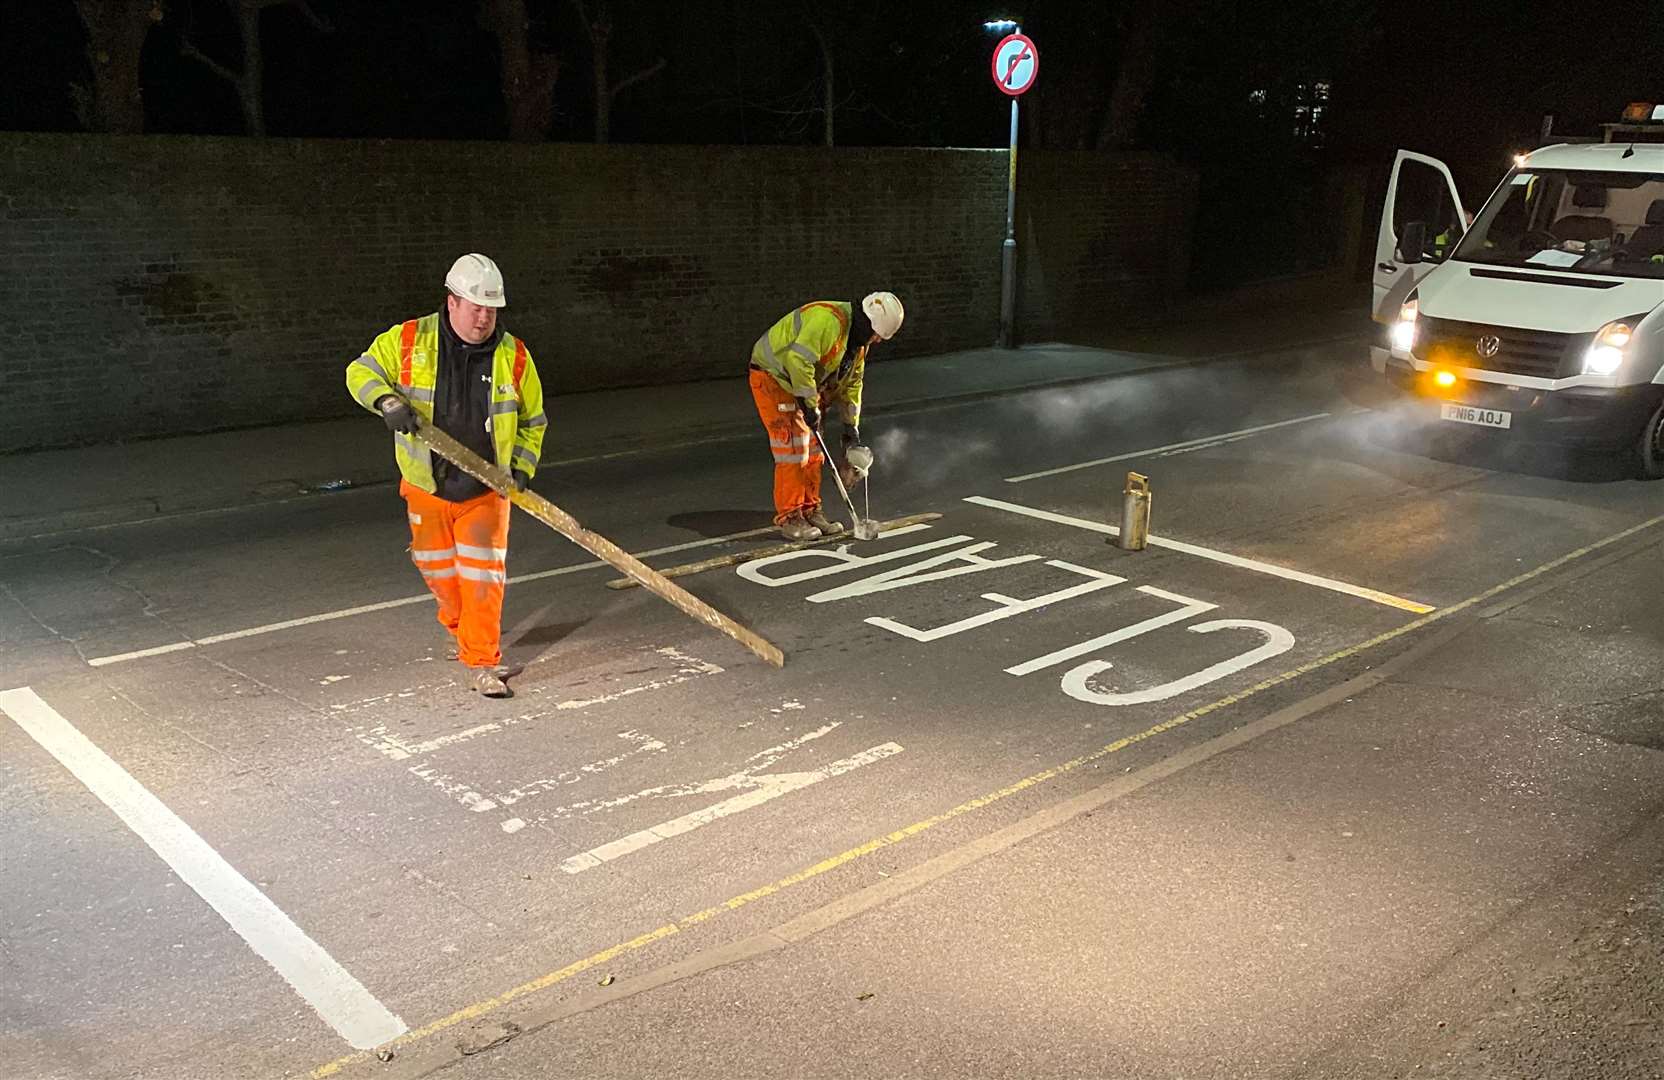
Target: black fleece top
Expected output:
[462,406]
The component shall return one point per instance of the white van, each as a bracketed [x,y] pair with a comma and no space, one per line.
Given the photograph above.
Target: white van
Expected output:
[1542,320]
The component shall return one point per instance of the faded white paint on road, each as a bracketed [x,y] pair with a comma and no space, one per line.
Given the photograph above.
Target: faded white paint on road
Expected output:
[768,786]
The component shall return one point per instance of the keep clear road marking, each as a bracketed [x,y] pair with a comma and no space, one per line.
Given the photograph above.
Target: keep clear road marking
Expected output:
[339,999]
[1228,559]
[1189,444]
[365,609]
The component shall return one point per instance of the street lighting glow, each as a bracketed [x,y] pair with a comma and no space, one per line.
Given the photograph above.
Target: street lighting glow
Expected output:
[1000,24]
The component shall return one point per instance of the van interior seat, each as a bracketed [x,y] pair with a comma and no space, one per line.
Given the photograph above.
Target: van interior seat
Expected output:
[1585,227]
[1649,238]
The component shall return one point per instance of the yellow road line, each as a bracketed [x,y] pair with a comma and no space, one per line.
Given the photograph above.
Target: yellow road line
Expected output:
[543,982]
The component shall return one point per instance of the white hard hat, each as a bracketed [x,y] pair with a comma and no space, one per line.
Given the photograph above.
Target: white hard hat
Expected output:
[476,278]
[885,312]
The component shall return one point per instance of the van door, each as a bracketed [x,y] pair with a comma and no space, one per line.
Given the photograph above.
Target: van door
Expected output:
[1421,189]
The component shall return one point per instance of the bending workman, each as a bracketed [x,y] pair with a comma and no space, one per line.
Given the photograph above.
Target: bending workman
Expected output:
[813,358]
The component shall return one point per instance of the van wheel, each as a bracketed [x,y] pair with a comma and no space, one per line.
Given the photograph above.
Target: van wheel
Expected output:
[1649,452]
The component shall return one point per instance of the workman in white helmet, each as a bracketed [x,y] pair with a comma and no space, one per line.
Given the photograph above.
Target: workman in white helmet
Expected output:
[457,370]
[813,358]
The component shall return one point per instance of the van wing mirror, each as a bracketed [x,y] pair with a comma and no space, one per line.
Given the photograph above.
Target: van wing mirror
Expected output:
[1412,243]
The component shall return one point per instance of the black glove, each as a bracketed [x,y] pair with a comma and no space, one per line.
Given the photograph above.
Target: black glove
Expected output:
[851,436]
[811,415]
[520,480]
[397,414]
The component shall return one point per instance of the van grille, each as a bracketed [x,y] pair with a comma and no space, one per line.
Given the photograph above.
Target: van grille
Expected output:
[1540,353]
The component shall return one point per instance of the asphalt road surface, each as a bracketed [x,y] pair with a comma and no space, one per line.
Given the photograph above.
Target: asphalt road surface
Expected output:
[1355,771]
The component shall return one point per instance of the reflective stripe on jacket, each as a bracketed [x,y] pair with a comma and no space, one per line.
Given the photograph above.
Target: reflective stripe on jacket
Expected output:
[806,353]
[405,361]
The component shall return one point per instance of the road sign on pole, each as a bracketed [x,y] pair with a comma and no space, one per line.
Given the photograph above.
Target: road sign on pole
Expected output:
[1016,62]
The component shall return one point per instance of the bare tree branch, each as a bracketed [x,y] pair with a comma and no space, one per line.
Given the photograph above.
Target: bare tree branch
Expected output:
[250,81]
[644,73]
[188,48]
[599,32]
[319,23]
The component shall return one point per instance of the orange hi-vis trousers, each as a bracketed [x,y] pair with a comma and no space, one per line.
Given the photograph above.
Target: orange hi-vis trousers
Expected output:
[462,551]
[797,456]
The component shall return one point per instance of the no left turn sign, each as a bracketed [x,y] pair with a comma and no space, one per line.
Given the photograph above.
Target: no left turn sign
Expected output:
[1016,62]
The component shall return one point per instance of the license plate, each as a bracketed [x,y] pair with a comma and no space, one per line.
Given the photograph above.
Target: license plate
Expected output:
[1467,414]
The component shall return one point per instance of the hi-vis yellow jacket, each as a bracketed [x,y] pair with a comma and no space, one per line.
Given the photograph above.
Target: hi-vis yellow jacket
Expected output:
[405,361]
[805,352]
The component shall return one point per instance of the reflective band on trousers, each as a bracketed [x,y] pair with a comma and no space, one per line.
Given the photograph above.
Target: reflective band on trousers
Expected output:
[474,573]
[445,555]
[483,554]
[435,575]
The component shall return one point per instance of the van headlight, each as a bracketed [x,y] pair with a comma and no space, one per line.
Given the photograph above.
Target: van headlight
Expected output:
[1404,330]
[1606,354]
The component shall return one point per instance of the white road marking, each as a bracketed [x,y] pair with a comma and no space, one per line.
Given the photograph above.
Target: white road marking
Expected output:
[479,802]
[644,744]
[769,786]
[1189,444]
[339,999]
[397,747]
[695,669]
[1228,559]
[470,799]
[1188,608]
[915,573]
[366,609]
[1277,641]
[1008,606]
[842,559]
[747,777]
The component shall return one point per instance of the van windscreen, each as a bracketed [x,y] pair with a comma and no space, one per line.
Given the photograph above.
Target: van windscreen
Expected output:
[1606,223]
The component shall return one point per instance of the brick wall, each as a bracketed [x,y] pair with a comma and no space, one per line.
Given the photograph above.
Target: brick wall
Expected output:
[171,284]
[1103,241]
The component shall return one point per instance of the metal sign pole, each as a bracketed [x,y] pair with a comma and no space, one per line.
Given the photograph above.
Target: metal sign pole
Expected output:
[1008,250]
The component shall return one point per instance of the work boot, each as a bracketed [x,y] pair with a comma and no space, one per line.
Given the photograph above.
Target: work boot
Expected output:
[826,525]
[796,528]
[488,682]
